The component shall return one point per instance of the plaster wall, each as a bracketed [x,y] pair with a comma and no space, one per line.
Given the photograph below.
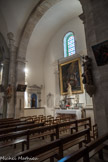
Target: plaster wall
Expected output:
[31,112]
[54,53]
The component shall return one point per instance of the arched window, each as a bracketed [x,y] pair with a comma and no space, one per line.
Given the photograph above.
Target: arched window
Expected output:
[69,44]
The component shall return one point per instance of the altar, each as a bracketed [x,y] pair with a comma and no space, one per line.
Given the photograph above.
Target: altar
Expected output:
[76,112]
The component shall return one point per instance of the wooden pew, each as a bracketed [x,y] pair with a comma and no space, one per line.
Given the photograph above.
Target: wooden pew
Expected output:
[6,119]
[77,155]
[95,147]
[15,124]
[94,132]
[42,132]
[76,138]
[52,149]
[88,151]
[19,128]
[43,152]
[7,130]
[15,138]
[84,123]
[10,121]
[29,126]
[72,125]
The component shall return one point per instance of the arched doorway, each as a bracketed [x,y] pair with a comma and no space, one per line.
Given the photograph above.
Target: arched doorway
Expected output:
[34,100]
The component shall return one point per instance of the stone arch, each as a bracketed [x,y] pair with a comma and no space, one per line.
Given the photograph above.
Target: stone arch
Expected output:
[33,19]
[35,16]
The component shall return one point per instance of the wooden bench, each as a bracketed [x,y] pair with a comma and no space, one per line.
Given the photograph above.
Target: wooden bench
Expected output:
[6,119]
[84,123]
[15,124]
[88,151]
[72,125]
[44,152]
[7,130]
[29,126]
[15,138]
[42,132]
[19,128]
[52,149]
[96,146]
[76,138]
[9,121]
[73,157]
[94,132]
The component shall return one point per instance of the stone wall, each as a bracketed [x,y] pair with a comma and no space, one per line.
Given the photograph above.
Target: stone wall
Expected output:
[95,19]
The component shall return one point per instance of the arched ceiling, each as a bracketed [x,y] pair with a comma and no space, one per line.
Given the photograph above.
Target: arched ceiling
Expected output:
[15,14]
[34,43]
[58,15]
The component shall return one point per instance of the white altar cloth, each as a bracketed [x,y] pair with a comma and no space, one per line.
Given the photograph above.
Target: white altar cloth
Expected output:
[72,111]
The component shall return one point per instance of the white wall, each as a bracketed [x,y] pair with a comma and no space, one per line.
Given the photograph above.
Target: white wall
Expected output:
[55,52]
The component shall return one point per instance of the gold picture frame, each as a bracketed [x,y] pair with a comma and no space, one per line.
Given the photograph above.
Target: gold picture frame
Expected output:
[70,72]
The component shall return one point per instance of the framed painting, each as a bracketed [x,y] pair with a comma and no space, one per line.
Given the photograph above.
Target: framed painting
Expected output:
[70,72]
[101,53]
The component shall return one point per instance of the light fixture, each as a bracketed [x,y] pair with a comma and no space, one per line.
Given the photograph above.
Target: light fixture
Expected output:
[26,70]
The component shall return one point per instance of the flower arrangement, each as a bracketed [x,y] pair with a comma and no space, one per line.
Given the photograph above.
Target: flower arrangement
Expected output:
[67,106]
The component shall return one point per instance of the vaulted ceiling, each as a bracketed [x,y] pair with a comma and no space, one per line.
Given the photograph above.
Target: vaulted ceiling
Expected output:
[58,15]
[17,12]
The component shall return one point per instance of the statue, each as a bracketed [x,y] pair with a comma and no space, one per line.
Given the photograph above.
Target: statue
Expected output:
[69,89]
[33,102]
[87,76]
[8,92]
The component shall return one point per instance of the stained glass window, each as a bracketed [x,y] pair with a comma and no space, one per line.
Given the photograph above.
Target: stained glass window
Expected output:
[69,44]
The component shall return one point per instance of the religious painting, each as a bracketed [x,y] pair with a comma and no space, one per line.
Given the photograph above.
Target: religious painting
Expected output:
[21,87]
[33,100]
[70,73]
[101,53]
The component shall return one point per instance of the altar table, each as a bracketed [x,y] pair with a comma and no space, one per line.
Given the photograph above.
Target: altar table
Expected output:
[77,112]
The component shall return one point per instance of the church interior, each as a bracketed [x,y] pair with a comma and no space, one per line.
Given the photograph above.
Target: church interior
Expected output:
[54,80]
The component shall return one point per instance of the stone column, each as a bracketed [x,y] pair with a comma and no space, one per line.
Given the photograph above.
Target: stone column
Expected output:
[12,75]
[20,80]
[95,19]
[57,87]
[5,84]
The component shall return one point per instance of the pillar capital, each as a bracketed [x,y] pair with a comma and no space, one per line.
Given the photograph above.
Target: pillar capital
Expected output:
[10,36]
